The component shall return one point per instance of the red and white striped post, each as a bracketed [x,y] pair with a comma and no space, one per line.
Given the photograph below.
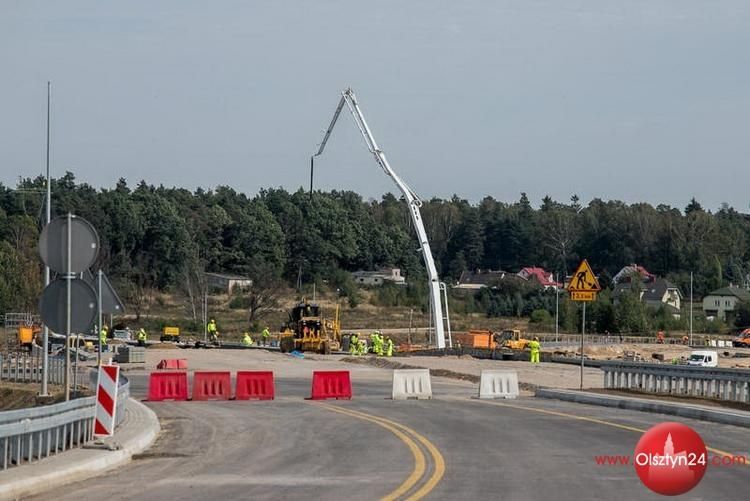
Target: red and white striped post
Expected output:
[106,400]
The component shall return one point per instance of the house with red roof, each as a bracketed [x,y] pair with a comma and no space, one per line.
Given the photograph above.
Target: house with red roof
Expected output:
[541,276]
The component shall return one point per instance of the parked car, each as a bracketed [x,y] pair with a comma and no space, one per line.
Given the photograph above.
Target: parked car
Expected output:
[703,358]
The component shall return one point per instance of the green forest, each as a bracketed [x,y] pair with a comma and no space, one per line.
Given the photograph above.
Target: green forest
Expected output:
[158,238]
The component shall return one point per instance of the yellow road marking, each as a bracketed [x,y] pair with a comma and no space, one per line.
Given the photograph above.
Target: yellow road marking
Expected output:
[592,420]
[401,431]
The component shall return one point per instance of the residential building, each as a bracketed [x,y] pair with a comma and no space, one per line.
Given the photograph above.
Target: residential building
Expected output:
[480,278]
[379,277]
[541,276]
[723,303]
[655,293]
[226,283]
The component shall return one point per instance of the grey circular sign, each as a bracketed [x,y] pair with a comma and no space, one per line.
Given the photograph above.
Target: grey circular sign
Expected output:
[82,306]
[84,244]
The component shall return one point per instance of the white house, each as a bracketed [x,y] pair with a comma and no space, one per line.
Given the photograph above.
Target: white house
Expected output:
[725,300]
[227,283]
[379,277]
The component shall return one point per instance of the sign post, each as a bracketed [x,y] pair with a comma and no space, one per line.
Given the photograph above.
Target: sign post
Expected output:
[583,287]
[67,245]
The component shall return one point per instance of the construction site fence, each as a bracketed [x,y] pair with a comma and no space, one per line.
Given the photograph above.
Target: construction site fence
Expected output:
[21,367]
[28,435]
[707,382]
[604,339]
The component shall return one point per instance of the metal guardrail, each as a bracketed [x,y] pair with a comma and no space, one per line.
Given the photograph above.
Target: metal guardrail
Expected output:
[27,435]
[711,382]
[25,368]
[32,434]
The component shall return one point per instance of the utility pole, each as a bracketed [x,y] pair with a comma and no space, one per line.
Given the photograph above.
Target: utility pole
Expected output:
[691,309]
[45,330]
[557,312]
[205,315]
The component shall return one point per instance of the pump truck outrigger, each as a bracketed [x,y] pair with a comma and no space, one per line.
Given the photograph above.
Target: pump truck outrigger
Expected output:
[438,304]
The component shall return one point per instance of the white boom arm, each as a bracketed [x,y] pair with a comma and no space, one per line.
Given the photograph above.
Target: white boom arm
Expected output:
[435,286]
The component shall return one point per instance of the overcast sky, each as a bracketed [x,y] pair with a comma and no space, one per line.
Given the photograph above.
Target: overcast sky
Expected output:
[638,100]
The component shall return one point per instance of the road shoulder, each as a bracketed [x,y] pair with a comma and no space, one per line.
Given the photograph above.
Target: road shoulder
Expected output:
[137,432]
[684,410]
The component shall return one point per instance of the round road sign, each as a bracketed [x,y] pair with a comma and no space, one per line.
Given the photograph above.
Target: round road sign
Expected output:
[53,244]
[82,306]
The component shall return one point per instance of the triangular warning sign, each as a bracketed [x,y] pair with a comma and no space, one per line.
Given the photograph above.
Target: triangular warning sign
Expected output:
[583,279]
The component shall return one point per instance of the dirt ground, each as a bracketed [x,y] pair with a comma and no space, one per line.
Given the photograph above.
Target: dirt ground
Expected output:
[727,358]
[23,395]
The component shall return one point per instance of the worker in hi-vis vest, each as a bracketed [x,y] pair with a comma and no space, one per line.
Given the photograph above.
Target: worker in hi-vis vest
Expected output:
[247,340]
[142,337]
[534,346]
[212,330]
[103,337]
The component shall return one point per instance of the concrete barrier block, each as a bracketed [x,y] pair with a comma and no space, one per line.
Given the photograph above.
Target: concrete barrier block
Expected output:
[498,384]
[411,383]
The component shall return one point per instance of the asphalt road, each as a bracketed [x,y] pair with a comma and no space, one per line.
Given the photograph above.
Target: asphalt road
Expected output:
[451,447]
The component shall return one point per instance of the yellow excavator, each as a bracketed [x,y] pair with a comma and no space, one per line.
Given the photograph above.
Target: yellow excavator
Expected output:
[307,330]
[512,339]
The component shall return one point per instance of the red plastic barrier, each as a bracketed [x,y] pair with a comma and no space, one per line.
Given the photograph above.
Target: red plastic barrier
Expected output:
[254,385]
[331,384]
[212,386]
[168,386]
[174,363]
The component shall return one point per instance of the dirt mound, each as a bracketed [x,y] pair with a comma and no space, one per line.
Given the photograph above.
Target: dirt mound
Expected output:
[162,346]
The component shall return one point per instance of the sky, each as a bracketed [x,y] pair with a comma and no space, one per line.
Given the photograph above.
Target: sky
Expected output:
[635,100]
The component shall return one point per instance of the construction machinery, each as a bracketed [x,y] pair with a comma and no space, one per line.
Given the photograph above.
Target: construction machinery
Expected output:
[307,330]
[170,334]
[742,340]
[26,335]
[477,339]
[437,289]
[511,339]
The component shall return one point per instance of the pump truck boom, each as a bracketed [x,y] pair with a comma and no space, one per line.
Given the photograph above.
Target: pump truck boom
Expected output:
[437,288]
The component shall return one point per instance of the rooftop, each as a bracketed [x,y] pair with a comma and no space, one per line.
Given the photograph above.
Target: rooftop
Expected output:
[738,292]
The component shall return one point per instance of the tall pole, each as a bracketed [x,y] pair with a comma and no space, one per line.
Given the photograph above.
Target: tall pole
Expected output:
[99,309]
[205,315]
[45,330]
[691,308]
[583,334]
[557,313]
[69,278]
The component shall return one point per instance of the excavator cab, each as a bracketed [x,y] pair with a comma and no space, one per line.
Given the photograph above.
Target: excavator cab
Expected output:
[306,330]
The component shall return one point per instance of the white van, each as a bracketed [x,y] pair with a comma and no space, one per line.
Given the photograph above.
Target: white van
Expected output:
[703,358]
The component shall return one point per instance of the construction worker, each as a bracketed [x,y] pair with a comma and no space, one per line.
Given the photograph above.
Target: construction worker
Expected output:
[354,344]
[534,346]
[362,346]
[247,340]
[388,347]
[265,335]
[376,347]
[142,337]
[103,337]
[213,333]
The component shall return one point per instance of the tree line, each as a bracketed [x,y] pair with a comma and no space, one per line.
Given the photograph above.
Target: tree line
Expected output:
[159,238]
